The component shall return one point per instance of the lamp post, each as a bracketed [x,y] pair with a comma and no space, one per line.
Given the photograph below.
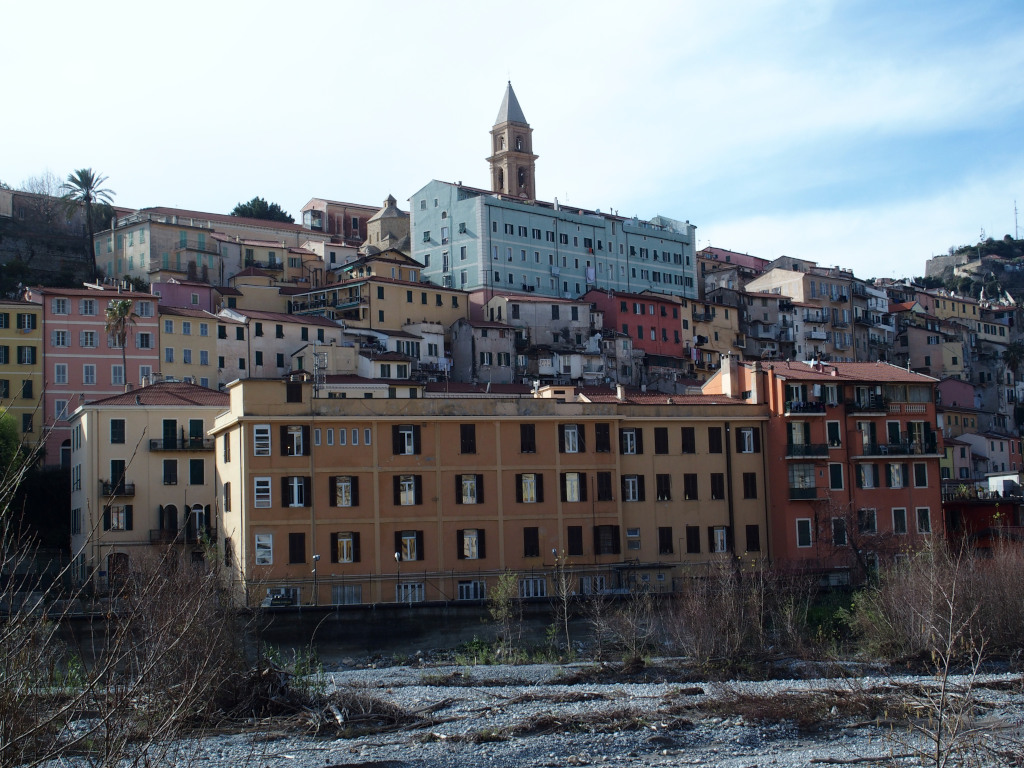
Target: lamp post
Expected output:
[316,593]
[398,584]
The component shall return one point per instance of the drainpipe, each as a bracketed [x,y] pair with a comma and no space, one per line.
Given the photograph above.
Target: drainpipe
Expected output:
[728,485]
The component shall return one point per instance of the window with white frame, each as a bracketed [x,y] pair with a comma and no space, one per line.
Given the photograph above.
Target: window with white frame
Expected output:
[572,486]
[468,487]
[60,373]
[803,532]
[895,473]
[344,491]
[528,487]
[87,307]
[261,492]
[89,374]
[295,488]
[720,538]
[117,374]
[60,410]
[536,586]
[347,594]
[470,544]
[60,306]
[924,520]
[261,440]
[407,490]
[346,547]
[572,442]
[409,592]
[60,339]
[408,550]
[406,444]
[87,339]
[264,548]
[899,520]
[628,440]
[473,589]
[867,521]
[631,488]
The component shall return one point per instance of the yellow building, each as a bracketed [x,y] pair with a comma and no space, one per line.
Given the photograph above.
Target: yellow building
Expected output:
[188,345]
[142,478]
[21,367]
[332,501]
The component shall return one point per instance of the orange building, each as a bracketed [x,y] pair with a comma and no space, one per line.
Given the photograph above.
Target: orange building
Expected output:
[853,460]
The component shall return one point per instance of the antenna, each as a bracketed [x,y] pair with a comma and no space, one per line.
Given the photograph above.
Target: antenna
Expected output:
[1016,230]
[319,369]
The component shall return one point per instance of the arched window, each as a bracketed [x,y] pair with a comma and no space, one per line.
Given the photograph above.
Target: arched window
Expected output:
[65,454]
[522,177]
[169,518]
[519,143]
[501,142]
[501,180]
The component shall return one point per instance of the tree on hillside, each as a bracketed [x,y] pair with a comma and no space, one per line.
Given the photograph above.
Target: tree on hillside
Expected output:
[49,208]
[120,319]
[258,208]
[84,186]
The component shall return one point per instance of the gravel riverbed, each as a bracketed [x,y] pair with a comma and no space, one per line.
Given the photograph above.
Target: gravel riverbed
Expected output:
[587,714]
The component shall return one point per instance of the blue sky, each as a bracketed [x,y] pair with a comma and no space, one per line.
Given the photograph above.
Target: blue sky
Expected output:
[870,135]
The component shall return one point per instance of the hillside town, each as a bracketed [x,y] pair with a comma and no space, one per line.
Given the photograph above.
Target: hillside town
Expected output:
[398,403]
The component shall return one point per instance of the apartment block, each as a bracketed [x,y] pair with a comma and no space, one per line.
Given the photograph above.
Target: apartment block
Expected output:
[21,368]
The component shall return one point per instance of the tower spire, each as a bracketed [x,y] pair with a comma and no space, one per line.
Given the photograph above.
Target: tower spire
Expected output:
[512,160]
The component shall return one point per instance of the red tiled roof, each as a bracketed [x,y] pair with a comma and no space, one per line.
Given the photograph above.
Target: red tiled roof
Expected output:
[867,372]
[533,297]
[903,306]
[167,393]
[185,312]
[641,296]
[635,397]
[224,218]
[281,317]
[227,290]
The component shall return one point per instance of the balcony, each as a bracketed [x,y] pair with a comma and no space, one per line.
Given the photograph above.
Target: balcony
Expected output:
[740,342]
[182,444]
[876,404]
[117,489]
[161,536]
[840,324]
[803,494]
[927,446]
[796,406]
[807,451]
[195,245]
[815,336]
[264,264]
[703,317]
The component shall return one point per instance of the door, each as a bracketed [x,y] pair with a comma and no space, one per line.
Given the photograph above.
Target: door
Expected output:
[195,433]
[170,434]
[117,469]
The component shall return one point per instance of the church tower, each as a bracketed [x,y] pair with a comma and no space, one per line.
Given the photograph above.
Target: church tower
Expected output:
[512,160]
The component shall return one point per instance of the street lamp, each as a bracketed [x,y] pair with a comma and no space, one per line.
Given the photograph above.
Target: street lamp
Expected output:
[316,594]
[398,585]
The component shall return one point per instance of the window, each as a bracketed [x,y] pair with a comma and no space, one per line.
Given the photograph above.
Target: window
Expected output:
[264,548]
[60,374]
[295,491]
[604,486]
[261,492]
[665,540]
[803,532]
[407,490]
[261,440]
[835,477]
[409,545]
[27,355]
[117,431]
[867,521]
[924,520]
[833,434]
[87,307]
[753,538]
[689,440]
[196,472]
[749,485]
[714,439]
[297,547]
[60,306]
[633,488]
[530,488]
[839,537]
[536,586]
[60,339]
[294,440]
[607,540]
[661,440]
[748,440]
[469,489]
[867,476]
[89,374]
[920,475]
[631,441]
[895,475]
[664,486]
[571,438]
[718,538]
[345,547]
[344,491]
[692,540]
[405,439]
[690,487]
[574,486]
[470,544]
[717,485]
[204,329]
[117,518]
[531,542]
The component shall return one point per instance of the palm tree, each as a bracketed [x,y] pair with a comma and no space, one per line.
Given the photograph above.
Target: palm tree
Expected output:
[84,186]
[120,318]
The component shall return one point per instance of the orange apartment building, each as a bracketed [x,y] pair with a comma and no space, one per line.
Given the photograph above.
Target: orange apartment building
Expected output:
[342,501]
[853,460]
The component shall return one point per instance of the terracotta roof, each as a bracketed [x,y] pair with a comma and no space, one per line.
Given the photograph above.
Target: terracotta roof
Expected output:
[263,243]
[642,296]
[94,293]
[533,297]
[251,272]
[167,393]
[867,372]
[281,317]
[467,388]
[903,306]
[227,290]
[185,312]
[636,397]
[305,251]
[224,218]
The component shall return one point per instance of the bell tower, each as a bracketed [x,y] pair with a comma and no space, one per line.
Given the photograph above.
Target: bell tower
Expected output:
[512,160]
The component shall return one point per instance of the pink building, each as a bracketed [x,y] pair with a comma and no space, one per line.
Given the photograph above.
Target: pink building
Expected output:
[187,294]
[80,362]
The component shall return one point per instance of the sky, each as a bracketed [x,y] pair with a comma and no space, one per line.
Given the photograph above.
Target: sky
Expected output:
[868,135]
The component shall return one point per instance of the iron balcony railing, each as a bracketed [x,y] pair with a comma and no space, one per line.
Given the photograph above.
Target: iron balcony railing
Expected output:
[118,489]
[806,450]
[182,444]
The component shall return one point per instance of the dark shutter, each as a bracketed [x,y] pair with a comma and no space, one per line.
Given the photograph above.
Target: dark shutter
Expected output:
[661,440]
[467,438]
[540,487]
[481,544]
[602,438]
[106,518]
[575,540]
[527,438]
[582,432]
[616,540]
[396,444]
[860,476]
[419,545]
[622,440]
[460,544]
[641,492]
[739,440]
[757,439]
[286,444]
[561,438]
[356,554]
[597,540]
[639,440]
[753,538]
[711,538]
[531,542]
[561,485]
[307,492]
[397,487]
[355,491]
[334,547]
[416,440]
[458,489]
[664,541]
[305,441]
[728,538]
[479,489]
[689,440]
[398,544]
[419,492]
[332,486]
[519,489]
[285,500]
[888,477]
[622,487]
[128,517]
[583,486]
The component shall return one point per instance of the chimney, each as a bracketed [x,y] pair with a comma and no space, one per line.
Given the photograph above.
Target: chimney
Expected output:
[620,393]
